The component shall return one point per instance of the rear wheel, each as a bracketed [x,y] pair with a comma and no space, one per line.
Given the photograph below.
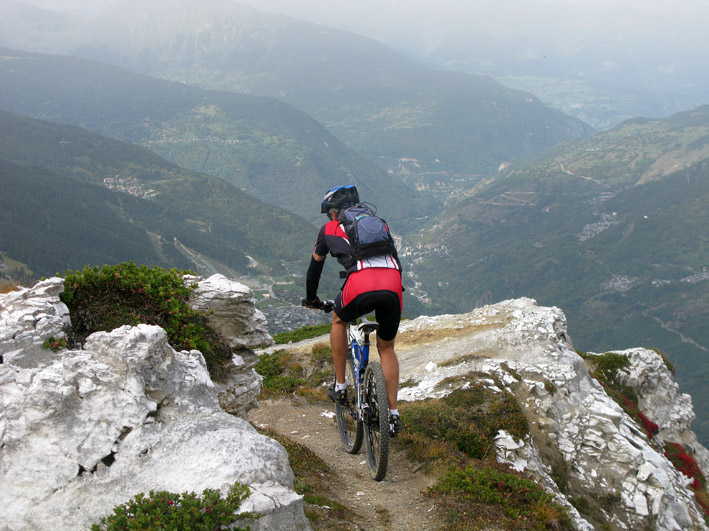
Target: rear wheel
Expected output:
[376,425]
[351,429]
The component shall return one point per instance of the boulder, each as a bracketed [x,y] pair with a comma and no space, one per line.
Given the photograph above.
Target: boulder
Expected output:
[231,310]
[82,431]
[28,317]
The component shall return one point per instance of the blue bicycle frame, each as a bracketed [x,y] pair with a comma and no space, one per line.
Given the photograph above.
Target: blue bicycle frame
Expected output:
[359,349]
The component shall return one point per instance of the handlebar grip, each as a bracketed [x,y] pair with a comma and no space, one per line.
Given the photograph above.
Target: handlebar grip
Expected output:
[326,306]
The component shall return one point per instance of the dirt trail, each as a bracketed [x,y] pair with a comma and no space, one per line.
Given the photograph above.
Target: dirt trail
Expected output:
[396,503]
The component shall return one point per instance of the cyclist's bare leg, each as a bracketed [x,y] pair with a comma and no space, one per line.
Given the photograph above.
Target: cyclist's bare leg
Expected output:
[390,366]
[338,344]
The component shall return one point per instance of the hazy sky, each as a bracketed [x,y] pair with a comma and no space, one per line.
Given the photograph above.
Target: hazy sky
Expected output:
[664,32]
[428,19]
[431,16]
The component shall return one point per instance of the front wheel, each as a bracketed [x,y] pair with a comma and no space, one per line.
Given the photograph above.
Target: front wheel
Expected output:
[376,424]
[350,427]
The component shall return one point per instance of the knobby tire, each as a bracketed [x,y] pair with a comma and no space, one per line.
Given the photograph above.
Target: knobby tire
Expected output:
[351,429]
[376,425]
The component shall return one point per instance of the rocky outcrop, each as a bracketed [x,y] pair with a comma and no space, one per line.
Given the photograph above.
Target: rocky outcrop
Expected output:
[28,317]
[231,311]
[659,398]
[82,431]
[582,445]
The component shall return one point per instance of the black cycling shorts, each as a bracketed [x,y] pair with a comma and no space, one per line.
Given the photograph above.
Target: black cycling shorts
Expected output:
[385,304]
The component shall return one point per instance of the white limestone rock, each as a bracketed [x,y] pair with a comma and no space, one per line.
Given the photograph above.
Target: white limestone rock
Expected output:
[82,431]
[231,310]
[660,400]
[28,317]
[526,348]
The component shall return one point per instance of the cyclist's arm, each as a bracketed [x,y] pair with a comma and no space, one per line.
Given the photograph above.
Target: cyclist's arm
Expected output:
[312,277]
[317,261]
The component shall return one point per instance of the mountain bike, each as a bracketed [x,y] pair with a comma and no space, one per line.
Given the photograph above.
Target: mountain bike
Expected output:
[365,415]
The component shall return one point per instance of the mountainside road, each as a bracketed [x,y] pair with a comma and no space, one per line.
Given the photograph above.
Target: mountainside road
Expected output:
[396,503]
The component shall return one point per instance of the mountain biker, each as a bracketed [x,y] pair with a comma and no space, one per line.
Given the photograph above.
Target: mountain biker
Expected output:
[373,284]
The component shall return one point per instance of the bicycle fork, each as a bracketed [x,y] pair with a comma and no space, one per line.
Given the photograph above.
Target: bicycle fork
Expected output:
[361,358]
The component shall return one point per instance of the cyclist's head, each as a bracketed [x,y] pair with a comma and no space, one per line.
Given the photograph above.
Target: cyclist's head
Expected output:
[339,197]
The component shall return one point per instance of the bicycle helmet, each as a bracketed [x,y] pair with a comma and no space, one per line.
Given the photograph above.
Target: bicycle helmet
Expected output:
[339,197]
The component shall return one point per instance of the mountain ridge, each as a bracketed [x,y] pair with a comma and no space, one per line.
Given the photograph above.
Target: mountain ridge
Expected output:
[382,104]
[202,212]
[259,143]
[610,228]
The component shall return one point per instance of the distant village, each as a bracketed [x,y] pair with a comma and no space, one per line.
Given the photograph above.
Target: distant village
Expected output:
[129,185]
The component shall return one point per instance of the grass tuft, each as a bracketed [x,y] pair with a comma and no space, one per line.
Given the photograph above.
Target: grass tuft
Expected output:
[306,332]
[476,495]
[285,373]
[464,422]
[6,286]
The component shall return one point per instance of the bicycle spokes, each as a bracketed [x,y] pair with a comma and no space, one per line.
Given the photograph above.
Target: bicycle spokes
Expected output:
[348,421]
[377,422]
[366,411]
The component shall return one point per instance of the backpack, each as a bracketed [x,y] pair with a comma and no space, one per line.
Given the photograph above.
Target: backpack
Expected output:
[368,234]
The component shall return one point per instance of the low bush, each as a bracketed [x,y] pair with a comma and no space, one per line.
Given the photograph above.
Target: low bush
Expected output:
[102,299]
[167,510]
[275,375]
[52,343]
[455,434]
[285,373]
[465,421]
[689,467]
[474,494]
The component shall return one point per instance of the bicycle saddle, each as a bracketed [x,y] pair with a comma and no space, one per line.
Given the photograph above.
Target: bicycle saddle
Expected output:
[368,327]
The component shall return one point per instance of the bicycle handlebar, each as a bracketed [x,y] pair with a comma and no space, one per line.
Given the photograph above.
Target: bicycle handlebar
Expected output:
[326,306]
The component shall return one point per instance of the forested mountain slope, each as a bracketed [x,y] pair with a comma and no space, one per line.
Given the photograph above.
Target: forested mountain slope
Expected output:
[612,229]
[52,223]
[71,197]
[429,125]
[261,145]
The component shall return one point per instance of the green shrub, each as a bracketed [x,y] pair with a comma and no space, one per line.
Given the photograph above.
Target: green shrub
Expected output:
[609,364]
[306,332]
[466,420]
[473,492]
[166,510]
[102,299]
[272,368]
[52,343]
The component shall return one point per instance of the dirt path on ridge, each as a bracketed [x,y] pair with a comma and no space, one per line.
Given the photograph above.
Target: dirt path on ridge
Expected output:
[394,504]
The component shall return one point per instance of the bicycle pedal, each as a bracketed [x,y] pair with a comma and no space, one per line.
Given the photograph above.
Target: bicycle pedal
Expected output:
[394,425]
[339,397]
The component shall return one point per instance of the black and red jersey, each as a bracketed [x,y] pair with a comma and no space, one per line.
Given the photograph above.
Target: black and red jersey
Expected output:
[333,239]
